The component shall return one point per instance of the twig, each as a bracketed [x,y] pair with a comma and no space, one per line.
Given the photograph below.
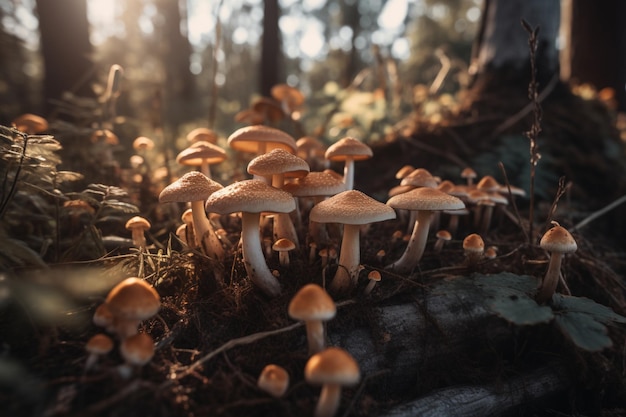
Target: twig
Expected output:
[443,72]
[561,190]
[512,199]
[599,213]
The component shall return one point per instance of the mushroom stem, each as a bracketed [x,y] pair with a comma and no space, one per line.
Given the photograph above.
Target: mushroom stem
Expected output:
[349,259]
[205,169]
[283,258]
[551,279]
[369,287]
[283,228]
[204,231]
[328,402]
[139,239]
[315,336]
[348,173]
[417,243]
[253,259]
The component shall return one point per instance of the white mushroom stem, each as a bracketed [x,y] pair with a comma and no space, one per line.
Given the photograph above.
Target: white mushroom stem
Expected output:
[551,279]
[283,258]
[205,169]
[369,287]
[348,173]
[315,336]
[283,228]
[349,259]
[204,231]
[328,402]
[139,239]
[417,243]
[253,258]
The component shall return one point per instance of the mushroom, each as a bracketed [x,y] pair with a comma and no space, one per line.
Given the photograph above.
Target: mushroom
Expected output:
[373,277]
[332,368]
[425,201]
[313,305]
[469,175]
[276,166]
[352,209]
[274,380]
[30,123]
[195,187]
[283,246]
[251,197]
[202,134]
[138,225]
[143,144]
[137,350]
[348,150]
[290,98]
[474,248]
[98,345]
[202,154]
[442,236]
[558,241]
[103,317]
[259,139]
[190,235]
[130,302]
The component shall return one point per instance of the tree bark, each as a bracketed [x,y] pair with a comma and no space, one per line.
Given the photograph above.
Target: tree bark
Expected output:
[270,48]
[65,48]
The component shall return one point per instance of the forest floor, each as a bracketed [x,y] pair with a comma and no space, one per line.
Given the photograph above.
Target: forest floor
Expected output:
[215,331]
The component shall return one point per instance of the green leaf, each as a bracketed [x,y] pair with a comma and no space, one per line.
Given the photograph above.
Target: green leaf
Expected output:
[121,206]
[506,281]
[599,312]
[521,310]
[584,331]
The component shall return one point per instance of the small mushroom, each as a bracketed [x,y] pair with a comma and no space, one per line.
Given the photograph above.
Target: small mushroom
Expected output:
[202,155]
[373,277]
[132,301]
[352,209]
[474,248]
[138,225]
[202,134]
[333,368]
[98,345]
[283,246]
[30,123]
[442,236]
[313,305]
[558,241]
[259,139]
[137,350]
[348,150]
[274,380]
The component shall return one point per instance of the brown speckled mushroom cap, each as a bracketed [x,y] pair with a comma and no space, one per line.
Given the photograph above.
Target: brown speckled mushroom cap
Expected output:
[201,152]
[351,207]
[133,299]
[316,184]
[332,366]
[348,147]
[193,186]
[420,177]
[558,239]
[250,196]
[246,139]
[278,161]
[425,198]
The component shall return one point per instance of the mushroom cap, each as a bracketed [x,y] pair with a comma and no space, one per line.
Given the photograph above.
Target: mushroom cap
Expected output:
[201,152]
[137,349]
[443,235]
[283,244]
[374,276]
[250,196]
[143,143]
[246,139]
[473,243]
[287,93]
[419,177]
[103,317]
[193,186]
[316,184]
[274,380]
[202,134]
[558,239]
[105,136]
[399,189]
[404,171]
[249,116]
[488,183]
[312,302]
[308,143]
[425,198]
[100,344]
[332,366]
[30,123]
[269,108]
[351,207]
[348,147]
[133,299]
[279,161]
[138,222]
[468,173]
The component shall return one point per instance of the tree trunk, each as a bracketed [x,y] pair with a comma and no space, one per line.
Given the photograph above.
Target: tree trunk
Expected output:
[271,48]
[65,48]
[595,45]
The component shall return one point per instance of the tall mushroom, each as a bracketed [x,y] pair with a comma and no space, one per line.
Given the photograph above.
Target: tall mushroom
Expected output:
[251,197]
[352,209]
[425,201]
[558,241]
[332,368]
[194,187]
[201,154]
[348,150]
